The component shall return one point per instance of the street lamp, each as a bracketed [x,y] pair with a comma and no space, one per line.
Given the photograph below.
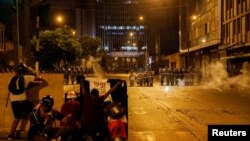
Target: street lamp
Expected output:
[59,19]
[17,29]
[74,32]
[187,37]
[37,42]
[141,19]
[131,34]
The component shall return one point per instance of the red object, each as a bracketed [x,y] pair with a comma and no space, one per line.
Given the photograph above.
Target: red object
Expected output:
[73,108]
[117,128]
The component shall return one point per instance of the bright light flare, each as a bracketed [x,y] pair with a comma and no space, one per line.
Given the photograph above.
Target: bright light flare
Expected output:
[59,19]
[167,89]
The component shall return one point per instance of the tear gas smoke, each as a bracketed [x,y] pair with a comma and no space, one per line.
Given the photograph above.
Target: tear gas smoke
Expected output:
[98,70]
[220,79]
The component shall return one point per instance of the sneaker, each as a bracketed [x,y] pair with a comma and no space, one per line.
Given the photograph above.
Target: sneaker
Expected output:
[10,137]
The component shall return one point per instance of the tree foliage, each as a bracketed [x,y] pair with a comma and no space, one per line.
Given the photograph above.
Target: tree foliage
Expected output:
[56,46]
[60,45]
[89,45]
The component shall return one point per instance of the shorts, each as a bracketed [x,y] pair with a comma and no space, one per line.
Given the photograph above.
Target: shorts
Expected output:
[21,109]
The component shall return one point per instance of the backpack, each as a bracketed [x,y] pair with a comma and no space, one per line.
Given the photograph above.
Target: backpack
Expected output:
[16,85]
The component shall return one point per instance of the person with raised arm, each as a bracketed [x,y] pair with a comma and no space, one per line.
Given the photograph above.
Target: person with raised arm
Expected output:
[92,118]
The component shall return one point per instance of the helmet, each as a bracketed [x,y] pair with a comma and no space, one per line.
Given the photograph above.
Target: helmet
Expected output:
[48,101]
[21,68]
[70,95]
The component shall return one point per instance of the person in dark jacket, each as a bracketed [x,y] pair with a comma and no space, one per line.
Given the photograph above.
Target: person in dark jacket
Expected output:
[91,119]
[42,120]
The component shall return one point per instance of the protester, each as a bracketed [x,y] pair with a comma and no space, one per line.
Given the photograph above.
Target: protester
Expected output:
[71,106]
[92,119]
[35,86]
[19,85]
[42,119]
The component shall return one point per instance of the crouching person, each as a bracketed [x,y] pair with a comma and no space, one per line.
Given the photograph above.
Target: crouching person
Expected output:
[71,107]
[42,119]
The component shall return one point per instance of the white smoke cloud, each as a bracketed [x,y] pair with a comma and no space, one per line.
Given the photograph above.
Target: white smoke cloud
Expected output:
[220,79]
[98,70]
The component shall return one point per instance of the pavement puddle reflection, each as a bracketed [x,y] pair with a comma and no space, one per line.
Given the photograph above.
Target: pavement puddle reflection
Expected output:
[138,110]
[144,136]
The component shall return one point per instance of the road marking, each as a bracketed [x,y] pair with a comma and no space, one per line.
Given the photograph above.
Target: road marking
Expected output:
[145,136]
[138,110]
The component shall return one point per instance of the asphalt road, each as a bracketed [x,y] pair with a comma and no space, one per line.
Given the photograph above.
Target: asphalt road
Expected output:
[182,113]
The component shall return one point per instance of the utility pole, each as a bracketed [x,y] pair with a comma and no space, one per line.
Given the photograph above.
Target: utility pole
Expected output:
[187,38]
[25,31]
[17,60]
[37,42]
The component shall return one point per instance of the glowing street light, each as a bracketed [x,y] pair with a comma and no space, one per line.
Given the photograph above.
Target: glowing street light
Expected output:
[203,40]
[59,19]
[194,17]
[141,18]
[74,32]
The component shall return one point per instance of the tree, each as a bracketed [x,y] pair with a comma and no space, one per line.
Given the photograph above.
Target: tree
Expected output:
[89,45]
[56,46]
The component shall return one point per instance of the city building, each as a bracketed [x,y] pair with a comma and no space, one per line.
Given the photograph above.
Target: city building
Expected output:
[235,34]
[215,31]
[200,28]
[121,27]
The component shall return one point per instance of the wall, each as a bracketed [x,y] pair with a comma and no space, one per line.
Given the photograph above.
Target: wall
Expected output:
[173,58]
[55,88]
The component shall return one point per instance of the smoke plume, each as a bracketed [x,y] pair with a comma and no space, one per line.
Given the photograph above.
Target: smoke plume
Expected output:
[220,79]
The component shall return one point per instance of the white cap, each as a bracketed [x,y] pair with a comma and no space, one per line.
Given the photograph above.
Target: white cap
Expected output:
[71,95]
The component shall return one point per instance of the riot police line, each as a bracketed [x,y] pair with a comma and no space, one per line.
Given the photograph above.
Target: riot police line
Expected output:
[174,79]
[71,75]
[142,79]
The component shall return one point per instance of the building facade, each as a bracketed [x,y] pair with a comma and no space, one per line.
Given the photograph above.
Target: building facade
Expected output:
[235,34]
[120,26]
[215,31]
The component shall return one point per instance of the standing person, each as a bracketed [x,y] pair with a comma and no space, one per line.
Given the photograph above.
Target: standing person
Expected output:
[66,76]
[35,86]
[19,85]
[92,118]
[132,78]
[72,75]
